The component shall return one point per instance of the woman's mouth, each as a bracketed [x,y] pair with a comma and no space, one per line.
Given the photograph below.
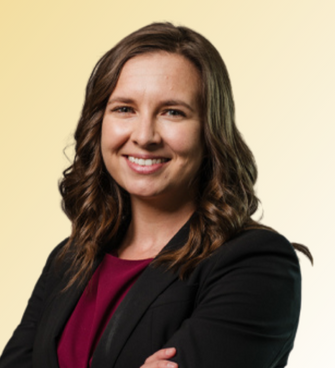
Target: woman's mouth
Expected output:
[147,161]
[145,165]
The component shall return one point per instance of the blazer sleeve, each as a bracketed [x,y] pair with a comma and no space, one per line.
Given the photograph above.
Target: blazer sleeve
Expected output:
[18,351]
[248,307]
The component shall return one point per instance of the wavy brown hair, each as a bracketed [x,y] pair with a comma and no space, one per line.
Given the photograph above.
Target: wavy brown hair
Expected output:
[98,207]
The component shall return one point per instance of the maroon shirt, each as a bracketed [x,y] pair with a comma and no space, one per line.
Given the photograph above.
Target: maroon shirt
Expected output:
[109,284]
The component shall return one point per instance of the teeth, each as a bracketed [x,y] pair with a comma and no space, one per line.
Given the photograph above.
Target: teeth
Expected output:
[147,162]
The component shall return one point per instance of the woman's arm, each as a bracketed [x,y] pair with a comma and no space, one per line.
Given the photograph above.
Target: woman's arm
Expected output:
[18,351]
[248,307]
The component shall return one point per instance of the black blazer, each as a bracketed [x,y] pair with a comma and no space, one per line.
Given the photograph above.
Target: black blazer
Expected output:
[238,309]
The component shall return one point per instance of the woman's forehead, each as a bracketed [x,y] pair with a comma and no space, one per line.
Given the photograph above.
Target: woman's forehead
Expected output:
[159,73]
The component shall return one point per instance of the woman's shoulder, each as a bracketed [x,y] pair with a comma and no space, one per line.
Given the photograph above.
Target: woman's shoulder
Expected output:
[54,254]
[55,268]
[256,250]
[256,242]
[55,251]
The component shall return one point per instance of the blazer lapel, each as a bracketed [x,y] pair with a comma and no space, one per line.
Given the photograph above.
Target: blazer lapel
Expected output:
[151,283]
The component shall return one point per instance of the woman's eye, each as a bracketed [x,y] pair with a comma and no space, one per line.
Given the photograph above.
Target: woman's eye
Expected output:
[172,112]
[123,109]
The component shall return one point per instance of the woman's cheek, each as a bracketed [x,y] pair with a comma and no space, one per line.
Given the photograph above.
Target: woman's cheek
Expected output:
[114,134]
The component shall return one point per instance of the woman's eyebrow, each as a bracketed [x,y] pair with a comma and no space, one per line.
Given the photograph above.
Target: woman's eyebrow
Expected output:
[120,99]
[162,103]
[177,102]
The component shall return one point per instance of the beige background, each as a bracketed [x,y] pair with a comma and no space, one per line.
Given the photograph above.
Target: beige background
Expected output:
[281,59]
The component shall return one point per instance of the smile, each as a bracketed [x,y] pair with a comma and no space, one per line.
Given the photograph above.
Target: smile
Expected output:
[146,162]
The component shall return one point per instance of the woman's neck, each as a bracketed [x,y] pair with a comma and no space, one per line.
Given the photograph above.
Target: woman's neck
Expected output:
[152,226]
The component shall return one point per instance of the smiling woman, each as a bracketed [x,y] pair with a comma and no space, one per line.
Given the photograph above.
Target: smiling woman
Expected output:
[164,266]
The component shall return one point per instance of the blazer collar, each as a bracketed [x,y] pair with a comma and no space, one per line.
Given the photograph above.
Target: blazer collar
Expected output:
[151,283]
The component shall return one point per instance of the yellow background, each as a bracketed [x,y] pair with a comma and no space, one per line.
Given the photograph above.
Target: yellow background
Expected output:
[281,59]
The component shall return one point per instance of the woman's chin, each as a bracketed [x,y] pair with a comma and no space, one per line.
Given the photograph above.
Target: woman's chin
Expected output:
[146,194]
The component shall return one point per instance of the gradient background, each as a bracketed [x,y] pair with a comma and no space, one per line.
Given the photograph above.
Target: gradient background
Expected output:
[281,59]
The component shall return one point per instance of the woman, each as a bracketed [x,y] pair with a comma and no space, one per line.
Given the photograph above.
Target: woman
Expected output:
[164,266]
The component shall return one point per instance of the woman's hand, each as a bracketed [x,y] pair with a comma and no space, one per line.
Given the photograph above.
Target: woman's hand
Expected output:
[159,359]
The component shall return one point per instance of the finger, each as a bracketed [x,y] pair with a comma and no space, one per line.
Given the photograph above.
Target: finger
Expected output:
[161,355]
[160,364]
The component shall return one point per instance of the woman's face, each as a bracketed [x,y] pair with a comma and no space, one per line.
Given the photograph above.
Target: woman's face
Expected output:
[151,140]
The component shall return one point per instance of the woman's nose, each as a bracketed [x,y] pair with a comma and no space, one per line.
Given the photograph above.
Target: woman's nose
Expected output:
[145,132]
